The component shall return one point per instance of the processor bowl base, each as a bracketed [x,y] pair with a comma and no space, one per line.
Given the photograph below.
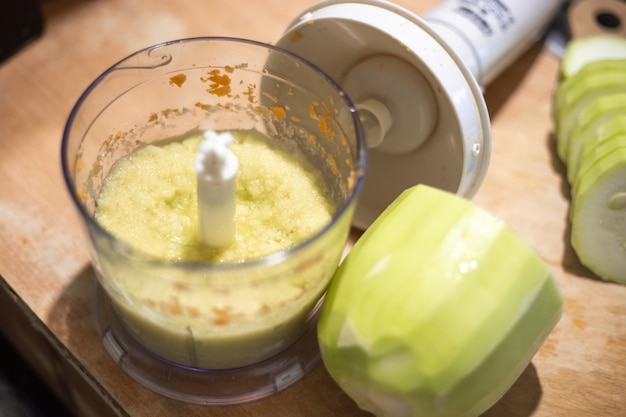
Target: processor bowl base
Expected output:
[200,386]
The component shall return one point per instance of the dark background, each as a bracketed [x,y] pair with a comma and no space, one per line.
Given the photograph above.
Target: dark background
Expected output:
[22,393]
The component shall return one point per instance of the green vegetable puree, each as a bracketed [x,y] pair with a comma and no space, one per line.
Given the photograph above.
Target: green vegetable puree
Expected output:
[149,200]
[215,318]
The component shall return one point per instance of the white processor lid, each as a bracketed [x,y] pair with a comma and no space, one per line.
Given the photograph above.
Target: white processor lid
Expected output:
[423,111]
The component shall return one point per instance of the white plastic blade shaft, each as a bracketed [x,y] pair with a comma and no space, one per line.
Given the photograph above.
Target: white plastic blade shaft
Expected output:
[216,168]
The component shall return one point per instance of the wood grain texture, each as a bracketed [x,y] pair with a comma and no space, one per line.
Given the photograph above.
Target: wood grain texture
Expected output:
[46,276]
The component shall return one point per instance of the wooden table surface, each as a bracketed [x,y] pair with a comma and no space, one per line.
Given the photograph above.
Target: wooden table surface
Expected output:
[45,290]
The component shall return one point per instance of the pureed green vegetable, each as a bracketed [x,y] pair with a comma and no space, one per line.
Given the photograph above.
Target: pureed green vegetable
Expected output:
[436,310]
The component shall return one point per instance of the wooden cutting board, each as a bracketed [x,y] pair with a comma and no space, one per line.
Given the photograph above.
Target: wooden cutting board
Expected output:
[46,285]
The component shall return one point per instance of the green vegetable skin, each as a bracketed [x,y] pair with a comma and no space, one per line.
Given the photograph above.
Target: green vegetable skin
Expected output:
[590,120]
[436,310]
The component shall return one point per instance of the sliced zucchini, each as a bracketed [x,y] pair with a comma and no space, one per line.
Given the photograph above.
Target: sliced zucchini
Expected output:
[589,76]
[598,216]
[582,51]
[571,100]
[594,147]
[590,118]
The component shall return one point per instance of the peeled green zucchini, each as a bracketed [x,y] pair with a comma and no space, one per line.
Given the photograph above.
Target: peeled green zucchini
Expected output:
[436,310]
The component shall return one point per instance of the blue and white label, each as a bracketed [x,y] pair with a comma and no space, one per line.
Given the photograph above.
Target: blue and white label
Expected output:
[490,17]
